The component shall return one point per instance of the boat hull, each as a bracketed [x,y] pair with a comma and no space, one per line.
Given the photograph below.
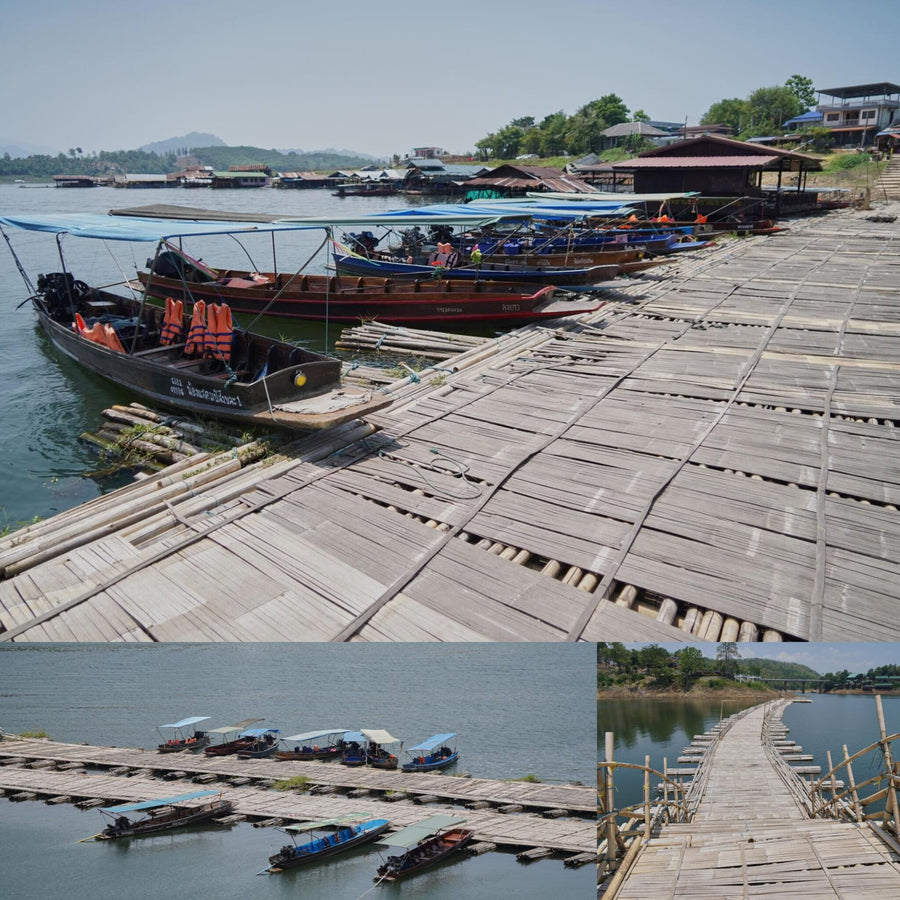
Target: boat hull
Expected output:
[333,753]
[427,854]
[168,823]
[430,766]
[181,746]
[432,302]
[295,859]
[496,271]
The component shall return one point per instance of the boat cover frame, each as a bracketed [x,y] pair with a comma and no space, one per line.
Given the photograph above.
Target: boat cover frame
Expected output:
[154,804]
[409,837]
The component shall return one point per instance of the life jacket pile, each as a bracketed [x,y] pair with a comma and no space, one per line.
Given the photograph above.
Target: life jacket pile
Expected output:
[98,333]
[211,331]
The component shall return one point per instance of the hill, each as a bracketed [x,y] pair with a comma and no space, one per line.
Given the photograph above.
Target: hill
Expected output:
[185,142]
[771,668]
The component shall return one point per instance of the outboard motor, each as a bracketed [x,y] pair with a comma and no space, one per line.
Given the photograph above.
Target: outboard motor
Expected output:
[63,296]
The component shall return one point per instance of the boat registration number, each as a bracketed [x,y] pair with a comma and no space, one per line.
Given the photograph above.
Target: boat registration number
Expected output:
[511,307]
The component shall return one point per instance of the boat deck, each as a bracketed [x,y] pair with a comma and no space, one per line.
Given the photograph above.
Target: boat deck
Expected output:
[711,456]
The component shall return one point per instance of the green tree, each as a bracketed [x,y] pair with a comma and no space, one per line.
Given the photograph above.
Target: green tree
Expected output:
[770,107]
[639,116]
[611,108]
[553,130]
[727,656]
[802,88]
[691,664]
[734,113]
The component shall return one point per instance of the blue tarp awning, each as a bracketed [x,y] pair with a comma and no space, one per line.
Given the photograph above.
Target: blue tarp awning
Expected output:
[126,228]
[356,736]
[258,732]
[432,742]
[153,804]
[192,720]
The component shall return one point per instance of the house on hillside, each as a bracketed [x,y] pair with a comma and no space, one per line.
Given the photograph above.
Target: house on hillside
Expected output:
[428,175]
[726,171]
[854,115]
[618,134]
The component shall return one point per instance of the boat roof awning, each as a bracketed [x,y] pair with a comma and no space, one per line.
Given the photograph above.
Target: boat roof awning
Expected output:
[407,838]
[379,736]
[357,736]
[258,732]
[238,726]
[313,735]
[400,217]
[125,228]
[432,742]
[192,720]
[328,823]
[153,804]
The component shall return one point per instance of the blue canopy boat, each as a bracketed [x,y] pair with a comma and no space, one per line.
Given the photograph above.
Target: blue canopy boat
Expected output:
[180,739]
[326,744]
[354,751]
[262,743]
[340,834]
[446,265]
[164,814]
[435,753]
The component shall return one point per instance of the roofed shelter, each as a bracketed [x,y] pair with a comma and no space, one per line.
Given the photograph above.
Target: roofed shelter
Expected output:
[513,181]
[722,167]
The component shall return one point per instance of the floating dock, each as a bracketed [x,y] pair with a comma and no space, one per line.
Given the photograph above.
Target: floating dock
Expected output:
[711,456]
[752,833]
[41,770]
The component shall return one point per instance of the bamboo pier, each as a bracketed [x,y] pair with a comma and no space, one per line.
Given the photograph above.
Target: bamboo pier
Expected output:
[558,818]
[710,456]
[750,826]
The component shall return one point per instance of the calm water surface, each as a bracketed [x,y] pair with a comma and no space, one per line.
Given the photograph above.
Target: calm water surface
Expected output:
[518,709]
[663,728]
[47,400]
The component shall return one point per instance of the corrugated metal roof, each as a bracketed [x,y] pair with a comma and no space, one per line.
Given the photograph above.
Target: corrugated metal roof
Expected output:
[626,128]
[697,162]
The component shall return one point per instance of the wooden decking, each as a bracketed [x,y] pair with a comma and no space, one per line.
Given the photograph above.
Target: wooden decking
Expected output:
[751,838]
[711,456]
[509,818]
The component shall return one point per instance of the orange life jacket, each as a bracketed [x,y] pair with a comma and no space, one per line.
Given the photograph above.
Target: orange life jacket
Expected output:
[79,324]
[220,331]
[701,219]
[95,333]
[173,323]
[196,339]
[112,339]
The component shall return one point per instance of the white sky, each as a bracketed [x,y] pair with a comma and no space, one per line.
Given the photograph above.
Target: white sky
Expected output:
[381,78]
[822,658]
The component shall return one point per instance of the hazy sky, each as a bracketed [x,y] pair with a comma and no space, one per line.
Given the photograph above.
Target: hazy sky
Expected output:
[384,77]
[822,658]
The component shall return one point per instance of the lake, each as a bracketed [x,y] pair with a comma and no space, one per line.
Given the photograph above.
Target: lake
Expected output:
[48,400]
[664,727]
[519,709]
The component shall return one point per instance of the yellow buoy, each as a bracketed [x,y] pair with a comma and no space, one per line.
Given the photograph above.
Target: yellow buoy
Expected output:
[300,379]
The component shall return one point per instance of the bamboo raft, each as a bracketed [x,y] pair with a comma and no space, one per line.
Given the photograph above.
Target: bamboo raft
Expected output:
[257,803]
[756,829]
[711,456]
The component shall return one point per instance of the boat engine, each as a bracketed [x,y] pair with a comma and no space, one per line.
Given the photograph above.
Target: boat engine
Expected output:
[63,296]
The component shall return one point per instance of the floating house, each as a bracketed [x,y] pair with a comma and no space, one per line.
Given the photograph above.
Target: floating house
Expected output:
[515,181]
[721,168]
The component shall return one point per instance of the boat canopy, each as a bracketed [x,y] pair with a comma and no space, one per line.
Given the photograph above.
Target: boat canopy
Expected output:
[153,804]
[192,720]
[133,228]
[238,726]
[467,219]
[351,736]
[314,735]
[328,823]
[409,837]
[432,742]
[258,732]
[379,736]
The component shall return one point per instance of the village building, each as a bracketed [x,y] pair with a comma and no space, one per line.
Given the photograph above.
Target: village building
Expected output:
[855,115]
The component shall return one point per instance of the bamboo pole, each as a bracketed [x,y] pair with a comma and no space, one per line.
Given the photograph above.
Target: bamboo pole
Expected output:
[852,782]
[610,800]
[889,765]
[647,797]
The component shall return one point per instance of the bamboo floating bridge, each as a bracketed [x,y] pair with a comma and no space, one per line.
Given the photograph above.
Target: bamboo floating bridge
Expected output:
[710,456]
[514,815]
[749,826]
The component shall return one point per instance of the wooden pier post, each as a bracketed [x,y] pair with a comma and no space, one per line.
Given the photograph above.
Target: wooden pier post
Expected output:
[889,766]
[857,809]
[610,804]
[647,797]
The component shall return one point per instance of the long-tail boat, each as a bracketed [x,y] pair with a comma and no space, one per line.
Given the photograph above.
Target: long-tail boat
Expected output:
[182,739]
[163,815]
[422,845]
[326,838]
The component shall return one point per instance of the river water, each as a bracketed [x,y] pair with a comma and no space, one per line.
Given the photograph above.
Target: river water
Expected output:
[47,400]
[662,728]
[519,710]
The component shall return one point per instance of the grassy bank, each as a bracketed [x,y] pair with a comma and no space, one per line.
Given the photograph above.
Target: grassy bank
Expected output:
[708,686]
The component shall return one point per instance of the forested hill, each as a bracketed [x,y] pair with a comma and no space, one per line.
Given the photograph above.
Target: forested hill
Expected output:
[771,668]
[135,162]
